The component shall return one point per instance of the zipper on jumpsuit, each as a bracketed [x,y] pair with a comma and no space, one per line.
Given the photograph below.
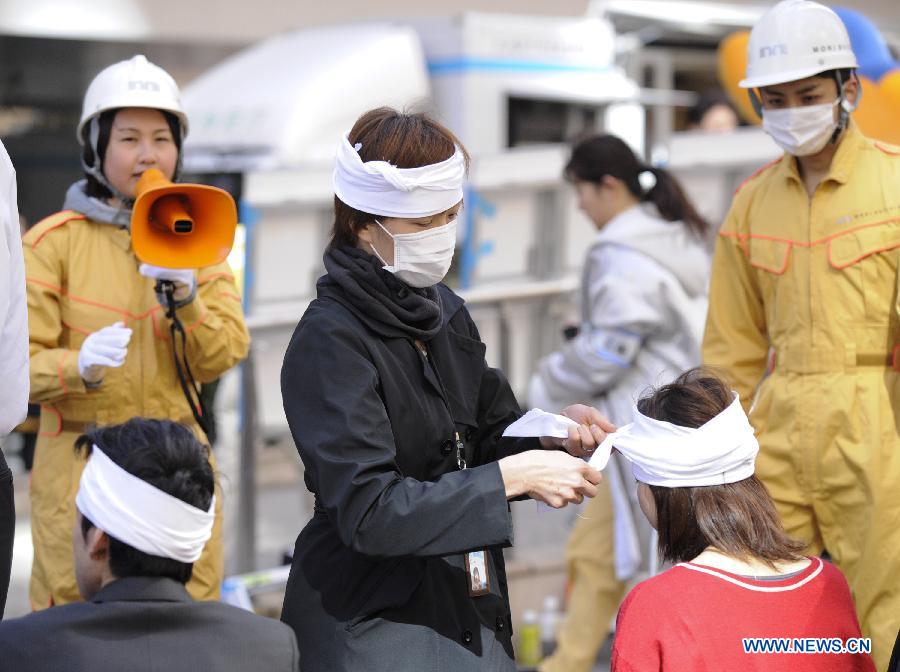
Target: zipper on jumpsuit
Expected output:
[808,475]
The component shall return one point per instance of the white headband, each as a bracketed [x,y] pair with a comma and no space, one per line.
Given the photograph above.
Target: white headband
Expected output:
[721,451]
[140,515]
[379,188]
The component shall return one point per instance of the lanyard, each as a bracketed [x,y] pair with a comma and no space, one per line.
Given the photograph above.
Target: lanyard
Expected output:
[460,446]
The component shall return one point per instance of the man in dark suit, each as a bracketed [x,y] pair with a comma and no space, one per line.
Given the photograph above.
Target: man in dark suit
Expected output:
[145,510]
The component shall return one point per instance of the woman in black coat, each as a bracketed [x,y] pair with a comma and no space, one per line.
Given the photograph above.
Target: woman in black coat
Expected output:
[398,421]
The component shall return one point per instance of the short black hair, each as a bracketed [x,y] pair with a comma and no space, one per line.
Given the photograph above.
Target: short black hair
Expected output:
[94,189]
[169,457]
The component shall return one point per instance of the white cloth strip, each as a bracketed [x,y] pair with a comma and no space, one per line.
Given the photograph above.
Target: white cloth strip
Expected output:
[540,423]
[379,188]
[140,515]
[721,451]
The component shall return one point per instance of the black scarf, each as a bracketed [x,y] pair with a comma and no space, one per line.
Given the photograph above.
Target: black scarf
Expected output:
[383,302]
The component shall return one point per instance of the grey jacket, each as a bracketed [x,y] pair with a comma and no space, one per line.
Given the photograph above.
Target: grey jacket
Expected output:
[94,208]
[644,301]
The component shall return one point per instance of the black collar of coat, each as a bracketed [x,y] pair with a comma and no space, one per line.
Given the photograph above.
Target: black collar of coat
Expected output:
[143,589]
[451,302]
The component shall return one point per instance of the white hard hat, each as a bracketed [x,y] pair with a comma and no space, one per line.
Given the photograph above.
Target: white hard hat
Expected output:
[132,83]
[794,40]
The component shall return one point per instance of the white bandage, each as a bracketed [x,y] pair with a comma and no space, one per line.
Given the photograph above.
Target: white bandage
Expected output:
[540,423]
[379,188]
[140,515]
[721,451]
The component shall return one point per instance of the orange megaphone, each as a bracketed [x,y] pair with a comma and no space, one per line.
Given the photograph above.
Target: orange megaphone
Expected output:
[181,225]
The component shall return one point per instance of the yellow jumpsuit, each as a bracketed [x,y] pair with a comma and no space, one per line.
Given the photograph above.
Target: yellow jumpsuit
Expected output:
[81,276]
[806,289]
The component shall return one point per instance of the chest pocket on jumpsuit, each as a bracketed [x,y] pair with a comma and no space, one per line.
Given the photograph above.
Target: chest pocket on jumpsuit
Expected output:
[774,257]
[867,258]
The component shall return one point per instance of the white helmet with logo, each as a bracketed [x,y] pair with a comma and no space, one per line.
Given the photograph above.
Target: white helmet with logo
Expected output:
[794,40]
[132,83]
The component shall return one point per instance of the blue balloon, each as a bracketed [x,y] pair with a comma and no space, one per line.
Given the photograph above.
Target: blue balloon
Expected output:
[871,50]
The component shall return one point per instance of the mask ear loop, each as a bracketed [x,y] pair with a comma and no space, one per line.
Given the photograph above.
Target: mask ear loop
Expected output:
[372,245]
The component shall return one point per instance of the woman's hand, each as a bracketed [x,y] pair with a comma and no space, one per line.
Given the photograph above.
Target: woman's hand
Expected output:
[185,280]
[549,477]
[583,440]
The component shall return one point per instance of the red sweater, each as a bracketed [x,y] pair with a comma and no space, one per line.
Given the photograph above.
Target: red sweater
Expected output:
[693,618]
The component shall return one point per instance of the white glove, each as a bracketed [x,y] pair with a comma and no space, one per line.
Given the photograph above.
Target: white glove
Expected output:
[103,348]
[184,279]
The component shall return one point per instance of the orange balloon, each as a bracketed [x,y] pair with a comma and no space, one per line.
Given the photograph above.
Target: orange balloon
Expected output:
[879,108]
[889,85]
[732,62]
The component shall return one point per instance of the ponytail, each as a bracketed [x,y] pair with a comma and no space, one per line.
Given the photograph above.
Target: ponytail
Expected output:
[601,155]
[669,198]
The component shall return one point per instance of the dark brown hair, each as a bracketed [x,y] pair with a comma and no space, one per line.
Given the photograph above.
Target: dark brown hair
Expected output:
[735,518]
[597,156]
[406,140]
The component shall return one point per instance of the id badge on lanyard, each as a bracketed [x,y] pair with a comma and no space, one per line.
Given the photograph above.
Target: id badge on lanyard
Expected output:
[476,561]
[479,582]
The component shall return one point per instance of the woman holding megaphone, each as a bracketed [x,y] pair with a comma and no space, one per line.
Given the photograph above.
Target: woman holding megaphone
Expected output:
[101,346]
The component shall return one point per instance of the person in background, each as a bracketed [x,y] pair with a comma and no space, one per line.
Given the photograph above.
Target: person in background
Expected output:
[13,354]
[804,315]
[146,507]
[399,420]
[738,575]
[101,351]
[713,113]
[643,298]
[28,429]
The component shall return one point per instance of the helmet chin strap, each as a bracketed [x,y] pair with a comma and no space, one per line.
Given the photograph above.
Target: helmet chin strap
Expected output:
[845,107]
[96,171]
[755,102]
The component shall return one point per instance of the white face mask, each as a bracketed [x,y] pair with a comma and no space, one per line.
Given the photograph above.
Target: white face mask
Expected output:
[421,259]
[801,131]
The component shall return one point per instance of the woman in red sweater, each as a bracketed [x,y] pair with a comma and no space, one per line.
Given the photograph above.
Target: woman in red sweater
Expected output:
[741,596]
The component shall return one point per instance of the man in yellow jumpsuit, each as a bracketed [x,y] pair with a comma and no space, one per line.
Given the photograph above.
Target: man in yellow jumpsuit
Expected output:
[804,288]
[101,351]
